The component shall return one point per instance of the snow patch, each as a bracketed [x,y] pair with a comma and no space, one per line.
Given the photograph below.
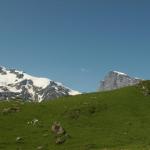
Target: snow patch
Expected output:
[120,73]
[38,82]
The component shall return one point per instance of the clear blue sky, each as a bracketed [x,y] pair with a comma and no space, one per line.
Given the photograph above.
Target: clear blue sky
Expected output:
[76,42]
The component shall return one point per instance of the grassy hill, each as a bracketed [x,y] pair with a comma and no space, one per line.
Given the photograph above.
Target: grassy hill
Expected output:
[114,120]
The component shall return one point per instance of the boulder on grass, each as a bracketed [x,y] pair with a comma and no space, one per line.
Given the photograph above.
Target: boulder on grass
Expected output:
[19,139]
[57,129]
[60,140]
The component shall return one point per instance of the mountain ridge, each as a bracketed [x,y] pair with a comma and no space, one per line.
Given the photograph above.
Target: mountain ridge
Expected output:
[18,84]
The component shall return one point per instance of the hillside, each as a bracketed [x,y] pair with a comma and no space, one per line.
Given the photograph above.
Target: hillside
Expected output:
[115,120]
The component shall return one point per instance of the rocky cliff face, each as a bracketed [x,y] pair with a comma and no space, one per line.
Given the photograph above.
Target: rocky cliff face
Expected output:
[17,84]
[115,80]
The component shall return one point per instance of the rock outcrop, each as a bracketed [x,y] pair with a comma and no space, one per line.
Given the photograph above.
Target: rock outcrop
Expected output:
[114,80]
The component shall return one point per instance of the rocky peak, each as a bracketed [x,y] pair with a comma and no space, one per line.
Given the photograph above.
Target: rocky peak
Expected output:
[115,80]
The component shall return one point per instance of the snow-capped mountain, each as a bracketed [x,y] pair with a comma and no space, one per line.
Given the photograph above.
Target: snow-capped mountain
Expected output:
[17,84]
[115,80]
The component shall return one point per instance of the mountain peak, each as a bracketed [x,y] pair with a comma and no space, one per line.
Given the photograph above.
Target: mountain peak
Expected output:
[14,83]
[117,79]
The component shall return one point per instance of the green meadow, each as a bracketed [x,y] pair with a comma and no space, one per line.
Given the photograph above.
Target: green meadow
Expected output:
[113,120]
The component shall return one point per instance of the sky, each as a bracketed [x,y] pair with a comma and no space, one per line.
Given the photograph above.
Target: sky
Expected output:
[76,42]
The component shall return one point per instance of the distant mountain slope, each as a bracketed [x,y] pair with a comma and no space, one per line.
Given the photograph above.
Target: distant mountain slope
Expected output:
[115,80]
[17,84]
[112,120]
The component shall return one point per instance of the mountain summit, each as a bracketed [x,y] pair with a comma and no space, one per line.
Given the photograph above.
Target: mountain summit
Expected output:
[116,79]
[17,84]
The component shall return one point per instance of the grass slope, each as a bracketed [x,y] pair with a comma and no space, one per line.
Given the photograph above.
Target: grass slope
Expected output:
[114,120]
